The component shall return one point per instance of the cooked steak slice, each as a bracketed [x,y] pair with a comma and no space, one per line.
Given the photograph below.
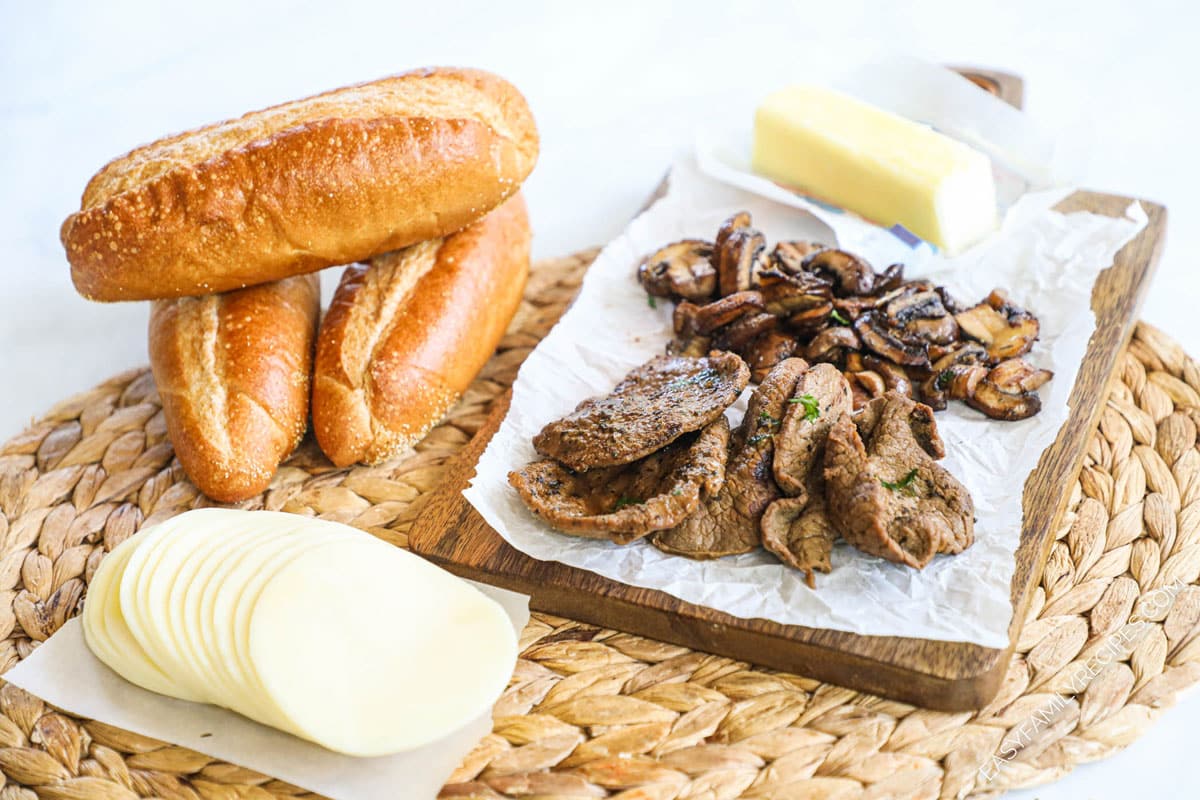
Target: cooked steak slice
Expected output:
[921,423]
[799,532]
[627,502]
[653,406]
[822,397]
[727,524]
[886,494]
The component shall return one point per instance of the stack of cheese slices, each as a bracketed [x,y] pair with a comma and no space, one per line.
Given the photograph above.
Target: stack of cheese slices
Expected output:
[223,227]
[249,610]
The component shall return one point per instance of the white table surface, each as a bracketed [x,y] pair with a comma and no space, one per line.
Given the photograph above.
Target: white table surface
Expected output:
[617,89]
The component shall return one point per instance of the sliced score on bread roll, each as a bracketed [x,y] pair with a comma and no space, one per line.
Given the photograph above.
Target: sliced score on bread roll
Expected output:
[233,375]
[407,333]
[330,179]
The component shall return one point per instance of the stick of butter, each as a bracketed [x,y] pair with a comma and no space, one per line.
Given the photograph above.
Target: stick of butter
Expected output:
[883,167]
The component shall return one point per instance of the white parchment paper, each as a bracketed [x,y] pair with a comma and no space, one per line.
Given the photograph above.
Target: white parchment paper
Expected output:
[64,673]
[1047,260]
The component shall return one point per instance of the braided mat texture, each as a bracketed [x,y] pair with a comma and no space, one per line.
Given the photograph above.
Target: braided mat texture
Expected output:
[591,713]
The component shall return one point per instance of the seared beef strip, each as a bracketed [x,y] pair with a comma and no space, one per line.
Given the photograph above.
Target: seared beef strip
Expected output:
[727,524]
[886,494]
[798,530]
[627,502]
[653,406]
[822,396]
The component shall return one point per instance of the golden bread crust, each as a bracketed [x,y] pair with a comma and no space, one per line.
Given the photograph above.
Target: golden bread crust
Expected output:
[233,372]
[327,180]
[405,335]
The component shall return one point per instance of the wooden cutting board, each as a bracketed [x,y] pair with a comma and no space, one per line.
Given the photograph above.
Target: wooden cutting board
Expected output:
[934,674]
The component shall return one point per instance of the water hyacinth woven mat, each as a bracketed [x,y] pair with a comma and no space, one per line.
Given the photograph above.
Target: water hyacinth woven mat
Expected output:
[591,713]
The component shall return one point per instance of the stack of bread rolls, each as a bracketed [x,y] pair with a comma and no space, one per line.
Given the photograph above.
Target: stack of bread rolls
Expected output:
[223,227]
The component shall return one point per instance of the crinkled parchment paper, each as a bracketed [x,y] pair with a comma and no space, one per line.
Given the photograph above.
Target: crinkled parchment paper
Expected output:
[1047,260]
[64,673]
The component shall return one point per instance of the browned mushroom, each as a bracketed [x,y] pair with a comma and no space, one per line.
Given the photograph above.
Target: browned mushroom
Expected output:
[961,380]
[903,290]
[950,379]
[894,377]
[721,312]
[762,354]
[884,332]
[683,318]
[851,275]
[981,323]
[744,330]
[871,382]
[787,294]
[952,305]
[736,222]
[937,330]
[680,270]
[1006,335]
[740,257]
[811,320]
[998,404]
[1017,375]
[851,308]
[922,315]
[891,279]
[693,346]
[905,307]
[963,353]
[830,344]
[789,256]
[860,396]
[880,340]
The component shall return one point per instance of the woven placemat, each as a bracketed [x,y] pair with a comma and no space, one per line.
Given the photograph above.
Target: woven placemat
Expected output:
[1110,640]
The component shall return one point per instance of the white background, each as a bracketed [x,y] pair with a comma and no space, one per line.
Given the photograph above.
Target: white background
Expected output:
[617,89]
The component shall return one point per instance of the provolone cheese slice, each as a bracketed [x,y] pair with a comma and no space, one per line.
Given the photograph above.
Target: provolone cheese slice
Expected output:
[158,574]
[255,564]
[309,626]
[106,633]
[231,535]
[370,650]
[315,533]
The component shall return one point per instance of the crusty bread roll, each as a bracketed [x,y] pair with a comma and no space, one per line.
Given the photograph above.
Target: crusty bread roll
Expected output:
[331,179]
[406,334]
[233,375]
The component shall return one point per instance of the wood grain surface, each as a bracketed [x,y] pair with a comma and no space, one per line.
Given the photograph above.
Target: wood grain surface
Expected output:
[938,675]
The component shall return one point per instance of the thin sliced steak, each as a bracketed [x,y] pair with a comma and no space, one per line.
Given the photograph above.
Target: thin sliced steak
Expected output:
[627,502]
[653,406]
[822,397]
[727,524]
[886,494]
[799,532]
